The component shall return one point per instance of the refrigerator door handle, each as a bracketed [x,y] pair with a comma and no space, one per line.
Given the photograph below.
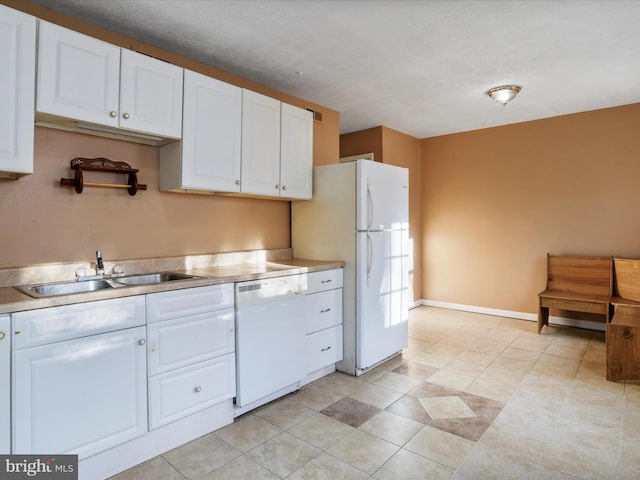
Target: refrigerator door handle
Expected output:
[370,202]
[369,258]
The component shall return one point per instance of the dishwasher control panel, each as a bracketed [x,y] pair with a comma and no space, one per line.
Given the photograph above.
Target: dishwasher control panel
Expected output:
[267,290]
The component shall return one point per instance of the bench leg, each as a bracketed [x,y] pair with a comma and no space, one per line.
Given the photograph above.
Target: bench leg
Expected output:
[543,317]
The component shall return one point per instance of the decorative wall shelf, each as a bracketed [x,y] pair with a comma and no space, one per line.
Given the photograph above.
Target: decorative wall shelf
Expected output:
[102,165]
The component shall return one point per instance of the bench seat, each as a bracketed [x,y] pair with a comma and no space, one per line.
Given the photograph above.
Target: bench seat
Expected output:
[576,283]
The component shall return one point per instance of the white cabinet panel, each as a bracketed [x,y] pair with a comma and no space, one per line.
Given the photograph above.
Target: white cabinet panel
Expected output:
[209,156]
[296,155]
[54,324]
[324,310]
[324,280]
[17,82]
[86,79]
[78,76]
[183,341]
[181,392]
[150,95]
[80,396]
[189,301]
[324,348]
[260,144]
[5,385]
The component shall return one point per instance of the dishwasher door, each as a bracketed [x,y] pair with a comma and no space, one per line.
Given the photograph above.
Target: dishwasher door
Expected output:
[270,337]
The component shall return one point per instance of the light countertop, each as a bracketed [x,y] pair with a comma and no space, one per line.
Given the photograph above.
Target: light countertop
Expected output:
[12,300]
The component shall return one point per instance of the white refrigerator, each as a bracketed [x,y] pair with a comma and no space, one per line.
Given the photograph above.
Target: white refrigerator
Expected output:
[359,214]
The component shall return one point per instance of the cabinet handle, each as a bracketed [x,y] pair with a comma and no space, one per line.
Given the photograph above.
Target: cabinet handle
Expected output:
[142,341]
[113,114]
[325,349]
[284,187]
[237,182]
[1,335]
[325,281]
[197,389]
[325,310]
[125,116]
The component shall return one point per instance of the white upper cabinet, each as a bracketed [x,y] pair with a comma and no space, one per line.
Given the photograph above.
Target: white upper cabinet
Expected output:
[85,79]
[208,158]
[296,152]
[277,148]
[260,144]
[17,77]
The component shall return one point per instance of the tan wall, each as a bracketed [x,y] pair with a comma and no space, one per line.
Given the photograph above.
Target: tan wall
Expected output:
[495,201]
[364,141]
[42,222]
[395,148]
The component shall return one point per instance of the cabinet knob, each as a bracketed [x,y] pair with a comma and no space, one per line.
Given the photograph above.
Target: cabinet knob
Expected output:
[113,114]
[237,182]
[277,187]
[125,116]
[142,341]
[1,335]
[197,389]
[284,187]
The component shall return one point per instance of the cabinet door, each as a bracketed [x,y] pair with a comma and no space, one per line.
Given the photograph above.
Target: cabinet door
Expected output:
[5,385]
[183,341]
[17,78]
[150,95]
[81,396]
[78,76]
[181,392]
[212,134]
[260,144]
[296,155]
[324,348]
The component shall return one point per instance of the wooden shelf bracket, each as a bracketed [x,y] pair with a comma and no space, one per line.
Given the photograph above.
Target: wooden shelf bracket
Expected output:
[102,165]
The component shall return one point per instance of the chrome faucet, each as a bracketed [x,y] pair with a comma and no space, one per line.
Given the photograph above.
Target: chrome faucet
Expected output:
[99,264]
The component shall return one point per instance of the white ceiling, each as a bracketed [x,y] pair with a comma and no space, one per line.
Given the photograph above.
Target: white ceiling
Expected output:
[420,67]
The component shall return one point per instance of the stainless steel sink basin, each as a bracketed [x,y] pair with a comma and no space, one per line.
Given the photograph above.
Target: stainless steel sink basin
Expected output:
[66,288]
[152,278]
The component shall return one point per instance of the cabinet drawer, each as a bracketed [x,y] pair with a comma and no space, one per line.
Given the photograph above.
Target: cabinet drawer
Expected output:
[575,305]
[324,348]
[324,280]
[47,325]
[190,301]
[324,310]
[183,341]
[187,390]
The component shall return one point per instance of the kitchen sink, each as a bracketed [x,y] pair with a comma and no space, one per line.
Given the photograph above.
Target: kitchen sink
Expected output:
[152,278]
[68,288]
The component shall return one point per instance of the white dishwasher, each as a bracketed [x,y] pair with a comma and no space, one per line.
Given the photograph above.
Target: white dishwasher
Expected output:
[270,337]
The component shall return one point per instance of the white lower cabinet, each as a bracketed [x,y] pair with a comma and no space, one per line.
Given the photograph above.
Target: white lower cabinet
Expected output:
[5,385]
[324,320]
[80,396]
[191,351]
[186,390]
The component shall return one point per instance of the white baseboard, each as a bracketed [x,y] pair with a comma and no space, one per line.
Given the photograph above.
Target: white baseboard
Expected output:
[569,322]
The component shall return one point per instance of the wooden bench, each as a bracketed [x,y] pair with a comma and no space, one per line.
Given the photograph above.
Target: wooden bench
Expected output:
[622,340]
[622,336]
[575,283]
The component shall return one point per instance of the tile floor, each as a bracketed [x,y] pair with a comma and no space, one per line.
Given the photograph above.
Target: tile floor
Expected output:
[473,397]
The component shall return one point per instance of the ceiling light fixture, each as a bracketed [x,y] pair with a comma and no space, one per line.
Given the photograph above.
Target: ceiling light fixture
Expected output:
[504,94]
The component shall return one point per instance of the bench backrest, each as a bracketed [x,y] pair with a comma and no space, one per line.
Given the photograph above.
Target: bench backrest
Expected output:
[582,275]
[627,278]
